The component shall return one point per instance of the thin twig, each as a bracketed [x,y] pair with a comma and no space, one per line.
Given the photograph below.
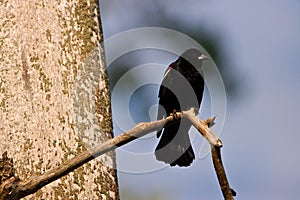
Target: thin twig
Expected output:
[216,144]
[19,189]
[227,192]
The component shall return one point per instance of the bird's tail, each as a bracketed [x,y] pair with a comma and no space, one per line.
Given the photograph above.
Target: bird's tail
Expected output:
[174,146]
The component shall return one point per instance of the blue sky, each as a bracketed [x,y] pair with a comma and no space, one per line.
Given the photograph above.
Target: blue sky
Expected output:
[261,135]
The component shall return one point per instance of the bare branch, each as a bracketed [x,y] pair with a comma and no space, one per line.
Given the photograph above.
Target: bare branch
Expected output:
[228,193]
[203,127]
[19,189]
[216,144]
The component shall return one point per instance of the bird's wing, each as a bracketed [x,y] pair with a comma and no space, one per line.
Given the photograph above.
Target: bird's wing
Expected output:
[167,79]
[162,92]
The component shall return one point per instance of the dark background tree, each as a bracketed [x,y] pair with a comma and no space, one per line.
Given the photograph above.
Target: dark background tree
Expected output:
[255,46]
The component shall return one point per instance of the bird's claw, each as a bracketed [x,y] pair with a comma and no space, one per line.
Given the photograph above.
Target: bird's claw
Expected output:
[174,114]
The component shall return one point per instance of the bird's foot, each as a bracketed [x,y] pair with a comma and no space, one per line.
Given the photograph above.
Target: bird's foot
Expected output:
[174,115]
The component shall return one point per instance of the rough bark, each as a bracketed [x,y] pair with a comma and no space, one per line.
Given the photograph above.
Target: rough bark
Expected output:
[54,95]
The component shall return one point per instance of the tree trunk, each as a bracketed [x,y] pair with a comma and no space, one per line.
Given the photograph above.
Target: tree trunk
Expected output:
[54,94]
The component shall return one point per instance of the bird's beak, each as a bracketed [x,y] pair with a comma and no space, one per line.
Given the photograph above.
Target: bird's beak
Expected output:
[203,57]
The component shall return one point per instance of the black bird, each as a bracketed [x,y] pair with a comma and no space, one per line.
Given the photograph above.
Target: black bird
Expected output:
[181,89]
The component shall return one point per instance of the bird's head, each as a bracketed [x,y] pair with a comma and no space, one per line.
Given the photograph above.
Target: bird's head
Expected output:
[194,56]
